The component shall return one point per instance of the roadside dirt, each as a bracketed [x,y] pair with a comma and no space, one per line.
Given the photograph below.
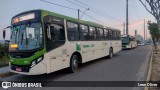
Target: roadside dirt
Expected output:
[155,74]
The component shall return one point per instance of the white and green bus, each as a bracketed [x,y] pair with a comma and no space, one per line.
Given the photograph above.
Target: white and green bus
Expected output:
[43,42]
[128,42]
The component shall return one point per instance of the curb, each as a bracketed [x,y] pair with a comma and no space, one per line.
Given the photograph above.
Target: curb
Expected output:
[150,69]
[2,75]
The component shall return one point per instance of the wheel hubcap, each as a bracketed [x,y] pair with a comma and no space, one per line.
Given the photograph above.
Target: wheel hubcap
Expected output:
[75,64]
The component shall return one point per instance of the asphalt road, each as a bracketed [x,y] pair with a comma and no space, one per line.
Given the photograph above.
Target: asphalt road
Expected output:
[127,65]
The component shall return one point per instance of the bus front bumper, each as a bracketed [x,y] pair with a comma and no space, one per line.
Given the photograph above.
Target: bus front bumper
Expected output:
[38,69]
[126,47]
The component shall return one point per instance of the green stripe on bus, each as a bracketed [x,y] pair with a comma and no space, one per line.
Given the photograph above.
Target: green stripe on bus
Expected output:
[78,47]
[27,61]
[87,46]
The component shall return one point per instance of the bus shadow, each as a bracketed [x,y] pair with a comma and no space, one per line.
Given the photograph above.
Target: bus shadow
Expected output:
[127,49]
[98,61]
[93,62]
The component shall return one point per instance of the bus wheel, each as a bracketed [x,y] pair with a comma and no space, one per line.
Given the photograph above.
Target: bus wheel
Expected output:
[73,64]
[110,53]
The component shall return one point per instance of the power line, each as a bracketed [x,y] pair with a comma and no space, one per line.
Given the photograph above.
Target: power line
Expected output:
[95,19]
[72,9]
[98,11]
[102,22]
[58,5]
[76,4]
[83,13]
[79,6]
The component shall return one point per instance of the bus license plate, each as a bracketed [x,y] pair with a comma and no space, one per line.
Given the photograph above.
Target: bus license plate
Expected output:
[18,69]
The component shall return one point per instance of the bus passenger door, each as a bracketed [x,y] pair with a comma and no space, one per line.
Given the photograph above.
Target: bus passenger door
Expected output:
[55,45]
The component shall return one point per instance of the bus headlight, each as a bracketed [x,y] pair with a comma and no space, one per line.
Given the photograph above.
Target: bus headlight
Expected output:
[36,61]
[33,63]
[39,59]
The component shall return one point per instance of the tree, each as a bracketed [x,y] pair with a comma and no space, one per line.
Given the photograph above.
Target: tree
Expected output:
[153,7]
[153,29]
[4,49]
[1,52]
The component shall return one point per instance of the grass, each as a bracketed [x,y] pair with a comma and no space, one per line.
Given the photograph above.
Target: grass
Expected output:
[4,61]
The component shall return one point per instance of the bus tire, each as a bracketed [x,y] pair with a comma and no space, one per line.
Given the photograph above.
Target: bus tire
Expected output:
[73,63]
[110,53]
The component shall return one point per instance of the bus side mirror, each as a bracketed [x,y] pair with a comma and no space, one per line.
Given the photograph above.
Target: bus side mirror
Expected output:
[4,33]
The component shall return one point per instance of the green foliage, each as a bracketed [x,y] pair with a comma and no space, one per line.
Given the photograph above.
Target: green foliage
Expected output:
[4,59]
[153,29]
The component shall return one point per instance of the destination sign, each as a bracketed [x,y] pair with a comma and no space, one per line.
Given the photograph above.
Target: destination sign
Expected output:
[24,17]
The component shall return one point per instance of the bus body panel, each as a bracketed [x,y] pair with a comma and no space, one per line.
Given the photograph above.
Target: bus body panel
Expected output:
[89,51]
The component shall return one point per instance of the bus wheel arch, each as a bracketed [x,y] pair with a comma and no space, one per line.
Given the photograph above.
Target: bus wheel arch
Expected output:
[79,56]
[111,49]
[75,60]
[110,53]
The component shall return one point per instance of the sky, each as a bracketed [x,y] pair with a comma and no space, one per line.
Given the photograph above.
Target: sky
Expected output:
[112,12]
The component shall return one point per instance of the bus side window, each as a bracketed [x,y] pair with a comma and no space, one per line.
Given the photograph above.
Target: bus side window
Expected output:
[113,35]
[100,34]
[109,34]
[84,33]
[57,32]
[56,36]
[92,33]
[97,34]
[116,35]
[73,33]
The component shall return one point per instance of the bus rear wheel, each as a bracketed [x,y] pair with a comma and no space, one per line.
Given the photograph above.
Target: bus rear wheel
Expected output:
[73,64]
[110,53]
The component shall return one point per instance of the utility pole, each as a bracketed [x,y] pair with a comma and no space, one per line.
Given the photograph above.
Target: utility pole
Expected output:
[124,26]
[135,33]
[127,17]
[146,34]
[144,29]
[84,12]
[78,13]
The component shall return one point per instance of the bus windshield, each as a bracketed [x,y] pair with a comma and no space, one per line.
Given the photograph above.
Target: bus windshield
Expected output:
[125,40]
[27,37]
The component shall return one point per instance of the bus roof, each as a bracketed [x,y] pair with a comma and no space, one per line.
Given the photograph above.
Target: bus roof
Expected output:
[72,19]
[45,12]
